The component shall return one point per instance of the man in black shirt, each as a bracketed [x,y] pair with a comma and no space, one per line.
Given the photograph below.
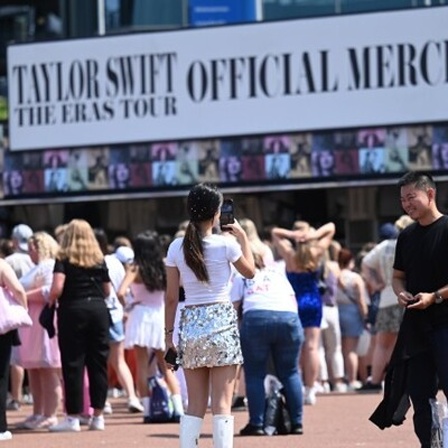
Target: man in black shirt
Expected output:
[420,281]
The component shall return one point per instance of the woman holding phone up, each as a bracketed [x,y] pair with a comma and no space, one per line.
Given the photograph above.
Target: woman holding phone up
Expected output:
[209,345]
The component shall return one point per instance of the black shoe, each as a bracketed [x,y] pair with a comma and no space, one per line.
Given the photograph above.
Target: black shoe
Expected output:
[297,429]
[239,404]
[250,430]
[370,387]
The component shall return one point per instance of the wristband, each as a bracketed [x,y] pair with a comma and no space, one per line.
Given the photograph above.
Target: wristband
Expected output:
[167,332]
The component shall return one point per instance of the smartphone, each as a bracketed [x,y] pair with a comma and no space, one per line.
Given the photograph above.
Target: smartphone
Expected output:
[171,358]
[227,213]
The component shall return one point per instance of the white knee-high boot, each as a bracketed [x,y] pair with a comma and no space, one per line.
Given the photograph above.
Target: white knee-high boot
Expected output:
[223,431]
[190,430]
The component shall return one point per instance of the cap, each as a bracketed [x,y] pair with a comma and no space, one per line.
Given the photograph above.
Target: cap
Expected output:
[388,231]
[124,254]
[22,233]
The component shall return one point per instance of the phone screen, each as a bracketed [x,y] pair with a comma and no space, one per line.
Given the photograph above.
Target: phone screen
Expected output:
[227,216]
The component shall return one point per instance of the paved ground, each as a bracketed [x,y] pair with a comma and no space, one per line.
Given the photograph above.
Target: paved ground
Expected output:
[336,421]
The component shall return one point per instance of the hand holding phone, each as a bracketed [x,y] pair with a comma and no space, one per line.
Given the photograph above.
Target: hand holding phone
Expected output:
[171,358]
[227,213]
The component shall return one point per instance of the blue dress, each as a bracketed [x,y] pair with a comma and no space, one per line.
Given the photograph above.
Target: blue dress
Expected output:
[308,297]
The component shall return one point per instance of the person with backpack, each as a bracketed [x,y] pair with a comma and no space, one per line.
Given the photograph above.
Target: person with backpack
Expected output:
[209,343]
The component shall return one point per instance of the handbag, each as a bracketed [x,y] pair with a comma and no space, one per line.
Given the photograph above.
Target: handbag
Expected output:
[12,314]
[46,319]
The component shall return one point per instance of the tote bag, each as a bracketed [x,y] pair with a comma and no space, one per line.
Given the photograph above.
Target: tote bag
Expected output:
[12,314]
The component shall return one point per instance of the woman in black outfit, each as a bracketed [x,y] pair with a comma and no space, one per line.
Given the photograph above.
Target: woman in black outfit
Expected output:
[80,284]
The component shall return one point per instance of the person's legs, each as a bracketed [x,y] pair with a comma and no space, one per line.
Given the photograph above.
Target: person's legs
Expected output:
[256,333]
[52,391]
[97,352]
[309,362]
[17,375]
[422,385]
[384,344]
[222,386]
[334,357]
[349,345]
[142,362]
[286,352]
[198,392]
[124,375]
[5,356]
[35,383]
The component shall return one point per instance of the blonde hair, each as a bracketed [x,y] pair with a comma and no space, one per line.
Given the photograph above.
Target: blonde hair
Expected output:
[79,245]
[249,227]
[46,246]
[59,231]
[403,221]
[305,258]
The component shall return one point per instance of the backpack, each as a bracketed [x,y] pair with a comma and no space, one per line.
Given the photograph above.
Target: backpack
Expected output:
[160,407]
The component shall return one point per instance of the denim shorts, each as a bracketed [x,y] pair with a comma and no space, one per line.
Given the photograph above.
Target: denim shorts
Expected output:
[116,332]
[350,320]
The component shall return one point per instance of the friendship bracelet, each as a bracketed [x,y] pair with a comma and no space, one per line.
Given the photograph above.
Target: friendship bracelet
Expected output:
[167,332]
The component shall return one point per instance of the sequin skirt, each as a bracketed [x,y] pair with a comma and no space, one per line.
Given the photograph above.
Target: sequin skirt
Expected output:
[209,336]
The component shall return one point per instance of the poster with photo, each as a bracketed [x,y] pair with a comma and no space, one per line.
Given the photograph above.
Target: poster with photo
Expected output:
[119,169]
[141,174]
[396,150]
[13,182]
[161,152]
[371,138]
[345,140]
[346,161]
[208,160]
[56,180]
[77,170]
[276,144]
[187,163]
[372,160]
[440,147]
[140,153]
[33,181]
[420,147]
[252,146]
[230,169]
[164,173]
[56,158]
[230,147]
[97,169]
[33,160]
[300,150]
[253,168]
[277,166]
[322,154]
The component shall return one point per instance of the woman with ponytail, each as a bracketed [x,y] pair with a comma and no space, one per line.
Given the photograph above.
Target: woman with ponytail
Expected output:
[209,345]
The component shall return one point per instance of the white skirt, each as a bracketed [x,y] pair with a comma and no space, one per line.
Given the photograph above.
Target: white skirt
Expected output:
[145,328]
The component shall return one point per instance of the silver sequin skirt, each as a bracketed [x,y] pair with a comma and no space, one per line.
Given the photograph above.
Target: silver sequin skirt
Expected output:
[209,336]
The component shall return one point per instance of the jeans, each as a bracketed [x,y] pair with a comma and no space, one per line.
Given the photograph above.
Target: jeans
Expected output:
[426,373]
[279,335]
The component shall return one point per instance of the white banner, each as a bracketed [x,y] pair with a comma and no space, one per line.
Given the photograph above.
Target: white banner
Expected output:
[325,73]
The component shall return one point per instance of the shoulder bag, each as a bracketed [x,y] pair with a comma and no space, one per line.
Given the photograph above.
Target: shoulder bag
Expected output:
[12,314]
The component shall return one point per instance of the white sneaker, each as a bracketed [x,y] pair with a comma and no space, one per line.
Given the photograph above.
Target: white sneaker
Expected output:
[107,408]
[134,405]
[310,396]
[97,423]
[69,424]
[340,387]
[5,435]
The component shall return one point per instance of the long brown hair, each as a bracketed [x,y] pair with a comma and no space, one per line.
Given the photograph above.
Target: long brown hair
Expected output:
[204,201]
[305,258]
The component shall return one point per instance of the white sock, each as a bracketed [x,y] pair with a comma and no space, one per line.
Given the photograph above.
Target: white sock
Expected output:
[176,399]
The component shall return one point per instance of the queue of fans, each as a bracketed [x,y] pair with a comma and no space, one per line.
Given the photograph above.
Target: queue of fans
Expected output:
[321,317]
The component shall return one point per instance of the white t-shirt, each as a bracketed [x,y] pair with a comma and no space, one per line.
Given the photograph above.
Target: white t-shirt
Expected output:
[269,290]
[219,253]
[381,260]
[116,275]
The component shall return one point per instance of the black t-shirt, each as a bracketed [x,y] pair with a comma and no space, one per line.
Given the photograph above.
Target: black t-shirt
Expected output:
[422,254]
[80,282]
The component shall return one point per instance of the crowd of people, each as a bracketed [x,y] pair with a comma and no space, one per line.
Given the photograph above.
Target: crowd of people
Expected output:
[234,307]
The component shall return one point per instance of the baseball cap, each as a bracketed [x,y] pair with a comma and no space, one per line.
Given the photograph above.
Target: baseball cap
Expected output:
[124,254]
[22,233]
[388,231]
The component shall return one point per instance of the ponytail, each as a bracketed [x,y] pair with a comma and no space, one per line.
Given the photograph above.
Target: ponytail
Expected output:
[194,252]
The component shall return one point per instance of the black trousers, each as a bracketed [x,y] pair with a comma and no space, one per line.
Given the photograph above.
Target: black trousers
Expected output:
[83,334]
[5,357]
[426,373]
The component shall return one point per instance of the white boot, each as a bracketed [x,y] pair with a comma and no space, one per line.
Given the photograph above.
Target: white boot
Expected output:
[190,430]
[223,431]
